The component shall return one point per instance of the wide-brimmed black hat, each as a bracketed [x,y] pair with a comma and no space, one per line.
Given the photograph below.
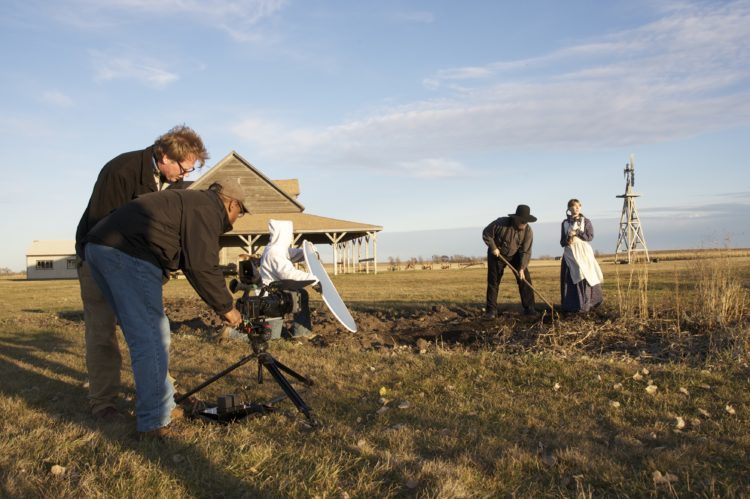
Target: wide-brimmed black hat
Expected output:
[523,213]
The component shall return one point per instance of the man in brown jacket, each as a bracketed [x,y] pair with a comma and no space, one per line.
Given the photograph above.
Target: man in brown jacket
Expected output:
[509,239]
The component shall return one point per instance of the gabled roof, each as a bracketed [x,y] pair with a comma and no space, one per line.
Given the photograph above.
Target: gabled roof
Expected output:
[51,248]
[262,195]
[303,222]
[314,228]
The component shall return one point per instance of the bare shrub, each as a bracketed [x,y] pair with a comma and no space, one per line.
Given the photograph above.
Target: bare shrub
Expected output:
[632,294]
[721,299]
[721,305]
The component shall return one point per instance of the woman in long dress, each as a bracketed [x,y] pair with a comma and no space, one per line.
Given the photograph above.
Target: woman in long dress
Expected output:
[580,274]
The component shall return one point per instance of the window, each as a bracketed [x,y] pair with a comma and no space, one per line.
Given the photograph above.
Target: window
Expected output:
[44,264]
[72,263]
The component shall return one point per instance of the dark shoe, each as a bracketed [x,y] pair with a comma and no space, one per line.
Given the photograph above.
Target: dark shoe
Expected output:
[191,405]
[159,434]
[531,311]
[188,402]
[489,316]
[109,413]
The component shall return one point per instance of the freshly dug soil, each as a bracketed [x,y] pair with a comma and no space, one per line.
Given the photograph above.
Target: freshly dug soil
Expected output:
[384,327]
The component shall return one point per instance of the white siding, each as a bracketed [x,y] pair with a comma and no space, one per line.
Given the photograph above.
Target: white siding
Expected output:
[49,259]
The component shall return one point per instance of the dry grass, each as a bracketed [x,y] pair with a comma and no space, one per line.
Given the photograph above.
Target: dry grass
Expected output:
[561,418]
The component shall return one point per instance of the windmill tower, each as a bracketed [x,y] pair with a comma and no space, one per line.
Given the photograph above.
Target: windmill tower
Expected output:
[630,241]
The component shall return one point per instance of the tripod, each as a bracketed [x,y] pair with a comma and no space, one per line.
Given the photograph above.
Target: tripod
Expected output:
[227,408]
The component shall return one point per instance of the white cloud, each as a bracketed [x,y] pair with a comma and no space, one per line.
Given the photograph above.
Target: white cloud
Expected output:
[431,168]
[682,75]
[239,18]
[56,98]
[126,68]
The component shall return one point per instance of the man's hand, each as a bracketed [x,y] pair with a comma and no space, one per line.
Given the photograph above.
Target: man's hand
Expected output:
[233,317]
[496,252]
[522,275]
[317,287]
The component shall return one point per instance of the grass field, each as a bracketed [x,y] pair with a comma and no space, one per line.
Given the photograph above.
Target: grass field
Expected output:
[582,410]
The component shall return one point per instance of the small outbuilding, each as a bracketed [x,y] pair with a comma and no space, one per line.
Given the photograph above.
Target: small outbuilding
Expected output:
[51,260]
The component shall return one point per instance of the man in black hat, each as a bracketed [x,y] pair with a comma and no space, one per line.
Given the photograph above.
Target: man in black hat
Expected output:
[130,251]
[509,240]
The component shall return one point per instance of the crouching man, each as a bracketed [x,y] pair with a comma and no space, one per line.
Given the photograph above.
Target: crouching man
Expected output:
[276,264]
[133,249]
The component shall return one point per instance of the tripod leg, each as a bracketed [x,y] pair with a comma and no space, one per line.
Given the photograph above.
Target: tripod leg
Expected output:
[270,363]
[293,373]
[223,373]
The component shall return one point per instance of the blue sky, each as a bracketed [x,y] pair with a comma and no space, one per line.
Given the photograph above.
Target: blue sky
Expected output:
[406,114]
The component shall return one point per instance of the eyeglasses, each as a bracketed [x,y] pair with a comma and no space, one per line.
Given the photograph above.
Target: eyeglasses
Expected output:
[184,171]
[242,210]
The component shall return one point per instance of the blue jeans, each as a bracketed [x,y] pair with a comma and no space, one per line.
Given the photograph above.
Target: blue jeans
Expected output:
[133,287]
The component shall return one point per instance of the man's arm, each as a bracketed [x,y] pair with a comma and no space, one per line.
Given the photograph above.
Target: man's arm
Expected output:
[200,258]
[488,236]
[525,249]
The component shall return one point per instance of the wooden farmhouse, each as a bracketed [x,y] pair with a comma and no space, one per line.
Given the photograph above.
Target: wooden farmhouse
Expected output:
[51,260]
[354,244]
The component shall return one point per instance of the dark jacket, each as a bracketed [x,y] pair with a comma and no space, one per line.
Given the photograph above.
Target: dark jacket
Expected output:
[502,235]
[173,229]
[123,178]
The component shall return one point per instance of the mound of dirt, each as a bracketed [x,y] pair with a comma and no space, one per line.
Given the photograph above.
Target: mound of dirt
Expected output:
[384,327]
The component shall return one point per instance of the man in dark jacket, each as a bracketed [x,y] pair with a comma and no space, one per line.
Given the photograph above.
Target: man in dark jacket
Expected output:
[509,239]
[161,165]
[130,251]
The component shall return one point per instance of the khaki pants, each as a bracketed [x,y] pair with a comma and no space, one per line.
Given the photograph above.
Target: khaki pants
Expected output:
[103,359]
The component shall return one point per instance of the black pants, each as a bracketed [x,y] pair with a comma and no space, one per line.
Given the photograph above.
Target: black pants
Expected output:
[495,269]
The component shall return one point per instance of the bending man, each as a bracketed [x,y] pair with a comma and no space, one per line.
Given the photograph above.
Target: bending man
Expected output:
[159,166]
[511,238]
[131,251]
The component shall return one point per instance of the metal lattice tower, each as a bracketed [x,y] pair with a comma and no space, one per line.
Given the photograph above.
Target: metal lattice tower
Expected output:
[631,243]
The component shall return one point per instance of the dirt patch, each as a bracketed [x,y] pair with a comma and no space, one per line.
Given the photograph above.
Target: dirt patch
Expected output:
[419,328]
[439,326]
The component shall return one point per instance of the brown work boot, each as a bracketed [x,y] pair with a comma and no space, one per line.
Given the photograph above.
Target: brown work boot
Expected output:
[189,405]
[107,414]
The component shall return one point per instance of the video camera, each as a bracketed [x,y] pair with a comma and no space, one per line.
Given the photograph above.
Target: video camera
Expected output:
[276,299]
